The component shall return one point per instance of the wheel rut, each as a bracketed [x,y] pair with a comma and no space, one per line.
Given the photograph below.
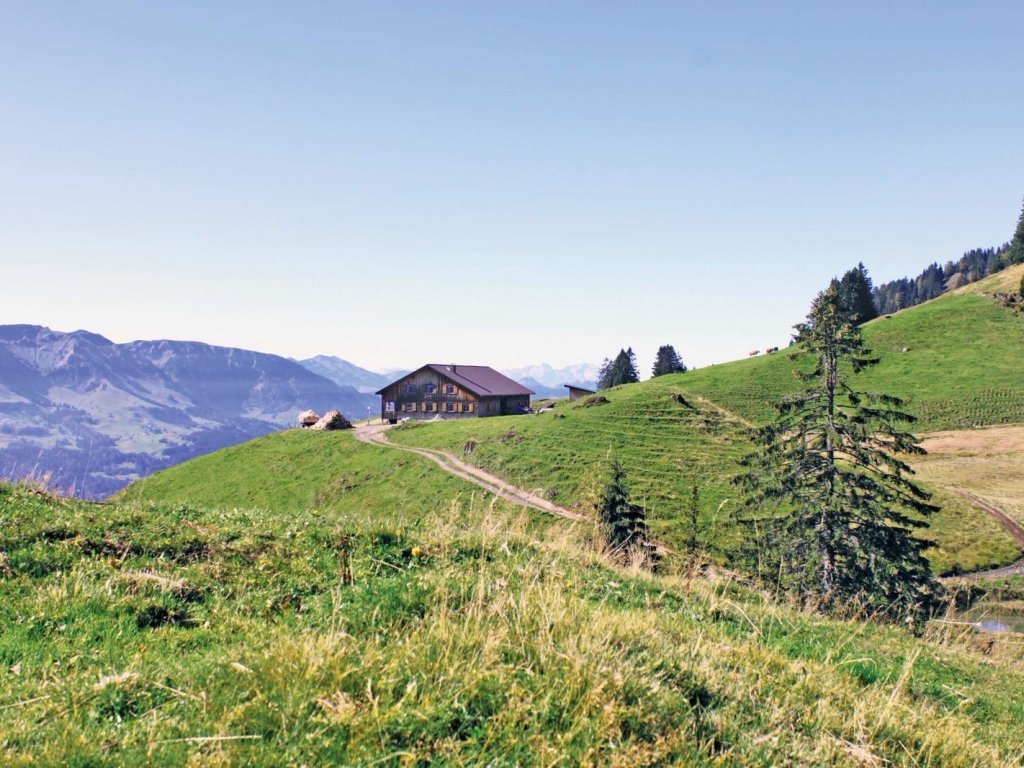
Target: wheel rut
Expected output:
[1011,526]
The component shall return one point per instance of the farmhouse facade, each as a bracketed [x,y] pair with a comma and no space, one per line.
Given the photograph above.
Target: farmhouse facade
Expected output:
[453,392]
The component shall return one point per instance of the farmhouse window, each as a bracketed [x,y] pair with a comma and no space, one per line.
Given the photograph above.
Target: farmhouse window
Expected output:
[409,407]
[449,407]
[409,389]
[430,389]
[431,407]
[468,407]
[449,389]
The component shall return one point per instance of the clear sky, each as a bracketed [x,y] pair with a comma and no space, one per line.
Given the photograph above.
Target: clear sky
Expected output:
[498,182]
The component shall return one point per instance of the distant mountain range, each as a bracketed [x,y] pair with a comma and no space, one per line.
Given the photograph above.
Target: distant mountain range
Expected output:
[346,374]
[546,381]
[94,415]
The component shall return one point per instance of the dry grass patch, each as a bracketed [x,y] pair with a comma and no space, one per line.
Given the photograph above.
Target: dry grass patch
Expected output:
[987,462]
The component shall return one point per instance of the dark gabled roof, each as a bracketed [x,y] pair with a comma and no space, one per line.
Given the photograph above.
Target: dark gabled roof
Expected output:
[481,380]
[580,389]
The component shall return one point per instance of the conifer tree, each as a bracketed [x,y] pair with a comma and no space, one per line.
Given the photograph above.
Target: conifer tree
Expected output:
[624,523]
[629,373]
[667,361]
[1016,253]
[856,298]
[842,510]
[622,370]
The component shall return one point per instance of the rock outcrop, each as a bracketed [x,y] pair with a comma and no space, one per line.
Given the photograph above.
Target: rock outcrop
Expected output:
[332,420]
[308,419]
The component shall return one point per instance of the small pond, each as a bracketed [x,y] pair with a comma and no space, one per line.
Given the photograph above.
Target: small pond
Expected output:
[988,618]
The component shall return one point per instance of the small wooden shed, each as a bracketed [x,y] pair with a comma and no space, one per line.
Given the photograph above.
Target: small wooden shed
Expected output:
[575,392]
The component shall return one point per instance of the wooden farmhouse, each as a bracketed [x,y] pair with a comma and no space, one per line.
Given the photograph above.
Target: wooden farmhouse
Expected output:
[453,392]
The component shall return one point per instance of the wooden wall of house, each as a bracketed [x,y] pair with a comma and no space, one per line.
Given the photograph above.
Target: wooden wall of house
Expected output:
[426,393]
[515,404]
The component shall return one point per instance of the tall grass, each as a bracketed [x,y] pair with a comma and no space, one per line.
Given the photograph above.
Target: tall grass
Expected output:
[173,635]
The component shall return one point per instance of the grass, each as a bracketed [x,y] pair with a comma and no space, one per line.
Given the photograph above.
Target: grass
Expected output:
[297,470]
[988,463]
[963,367]
[665,448]
[152,632]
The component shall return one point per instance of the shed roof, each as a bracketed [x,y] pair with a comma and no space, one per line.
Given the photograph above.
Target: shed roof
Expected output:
[481,380]
[578,388]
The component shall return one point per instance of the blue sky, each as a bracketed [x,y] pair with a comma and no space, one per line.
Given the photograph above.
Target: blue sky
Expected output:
[492,182]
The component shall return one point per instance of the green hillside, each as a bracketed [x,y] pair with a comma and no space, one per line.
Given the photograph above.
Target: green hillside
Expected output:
[305,598]
[297,470]
[140,633]
[964,366]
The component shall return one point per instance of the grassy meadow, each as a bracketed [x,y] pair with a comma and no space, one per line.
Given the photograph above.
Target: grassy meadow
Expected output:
[665,449]
[986,462]
[298,470]
[963,367]
[147,632]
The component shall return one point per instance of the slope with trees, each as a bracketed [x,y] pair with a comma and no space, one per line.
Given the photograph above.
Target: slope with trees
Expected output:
[956,361]
[935,280]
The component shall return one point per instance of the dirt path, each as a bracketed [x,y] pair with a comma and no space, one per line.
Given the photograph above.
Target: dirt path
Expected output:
[1012,527]
[374,434]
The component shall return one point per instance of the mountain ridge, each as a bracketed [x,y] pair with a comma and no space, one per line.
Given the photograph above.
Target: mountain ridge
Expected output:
[93,415]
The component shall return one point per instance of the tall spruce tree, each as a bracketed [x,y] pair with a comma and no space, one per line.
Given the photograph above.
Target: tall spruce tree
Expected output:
[667,361]
[628,372]
[622,370]
[856,299]
[843,510]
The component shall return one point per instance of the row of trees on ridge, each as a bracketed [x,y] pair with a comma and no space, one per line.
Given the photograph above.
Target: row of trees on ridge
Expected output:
[623,370]
[935,279]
